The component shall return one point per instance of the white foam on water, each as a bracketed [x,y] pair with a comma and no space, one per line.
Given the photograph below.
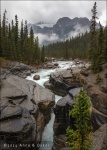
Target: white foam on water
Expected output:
[48,132]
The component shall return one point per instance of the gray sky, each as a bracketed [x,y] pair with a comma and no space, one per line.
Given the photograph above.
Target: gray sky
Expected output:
[51,11]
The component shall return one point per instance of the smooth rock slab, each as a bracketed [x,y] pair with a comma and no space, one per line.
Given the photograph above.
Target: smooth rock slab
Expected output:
[20,127]
[97,119]
[63,101]
[44,98]
[73,92]
[100,138]
[66,74]
[10,91]
[11,112]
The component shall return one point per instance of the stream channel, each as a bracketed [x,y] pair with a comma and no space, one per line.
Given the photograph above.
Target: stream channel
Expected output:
[47,135]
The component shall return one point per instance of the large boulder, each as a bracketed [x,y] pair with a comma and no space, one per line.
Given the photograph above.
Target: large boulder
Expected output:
[73,92]
[45,101]
[66,74]
[56,88]
[50,65]
[36,77]
[56,64]
[98,98]
[24,110]
[59,83]
[100,138]
[15,68]
[11,112]
[97,119]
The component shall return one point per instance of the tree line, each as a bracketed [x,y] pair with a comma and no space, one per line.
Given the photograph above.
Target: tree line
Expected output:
[17,43]
[75,47]
[98,48]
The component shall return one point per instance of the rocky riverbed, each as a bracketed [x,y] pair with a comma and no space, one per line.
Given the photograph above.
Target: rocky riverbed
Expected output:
[26,106]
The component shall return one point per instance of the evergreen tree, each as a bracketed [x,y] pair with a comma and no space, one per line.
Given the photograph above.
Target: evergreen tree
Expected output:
[93,40]
[21,40]
[16,36]
[104,50]
[25,44]
[0,38]
[79,139]
[37,51]
[42,54]
[13,41]
[4,35]
[31,48]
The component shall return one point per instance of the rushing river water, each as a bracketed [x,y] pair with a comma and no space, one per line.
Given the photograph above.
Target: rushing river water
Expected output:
[47,135]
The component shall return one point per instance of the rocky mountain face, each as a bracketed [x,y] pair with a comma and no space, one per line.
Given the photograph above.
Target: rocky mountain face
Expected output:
[63,29]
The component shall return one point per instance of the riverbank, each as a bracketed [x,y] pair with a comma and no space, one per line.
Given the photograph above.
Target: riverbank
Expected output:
[96,87]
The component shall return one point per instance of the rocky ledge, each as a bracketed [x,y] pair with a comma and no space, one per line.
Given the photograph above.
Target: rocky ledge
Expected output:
[15,68]
[24,111]
[70,85]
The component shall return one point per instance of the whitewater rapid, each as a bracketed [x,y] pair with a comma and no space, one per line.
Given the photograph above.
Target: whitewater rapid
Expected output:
[47,135]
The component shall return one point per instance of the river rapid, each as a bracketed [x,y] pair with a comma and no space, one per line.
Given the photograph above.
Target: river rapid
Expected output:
[47,135]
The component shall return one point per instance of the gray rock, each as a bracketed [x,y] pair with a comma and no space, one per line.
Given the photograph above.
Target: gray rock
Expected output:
[10,89]
[45,100]
[54,89]
[84,72]
[63,101]
[19,126]
[59,142]
[99,100]
[56,64]
[24,110]
[23,86]
[97,119]
[73,92]
[36,77]
[11,112]
[100,138]
[40,125]
[66,74]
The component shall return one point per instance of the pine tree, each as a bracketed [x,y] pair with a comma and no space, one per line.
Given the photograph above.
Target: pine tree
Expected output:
[4,34]
[43,54]
[21,41]
[25,44]
[79,138]
[13,41]
[0,38]
[31,48]
[93,40]
[37,51]
[104,51]
[9,43]
[16,36]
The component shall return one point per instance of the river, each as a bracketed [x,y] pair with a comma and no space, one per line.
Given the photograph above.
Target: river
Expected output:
[47,135]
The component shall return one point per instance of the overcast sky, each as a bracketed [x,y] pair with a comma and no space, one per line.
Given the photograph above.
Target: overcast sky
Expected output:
[51,11]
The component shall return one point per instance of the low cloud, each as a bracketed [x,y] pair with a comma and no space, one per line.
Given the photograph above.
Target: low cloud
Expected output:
[78,30]
[46,39]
